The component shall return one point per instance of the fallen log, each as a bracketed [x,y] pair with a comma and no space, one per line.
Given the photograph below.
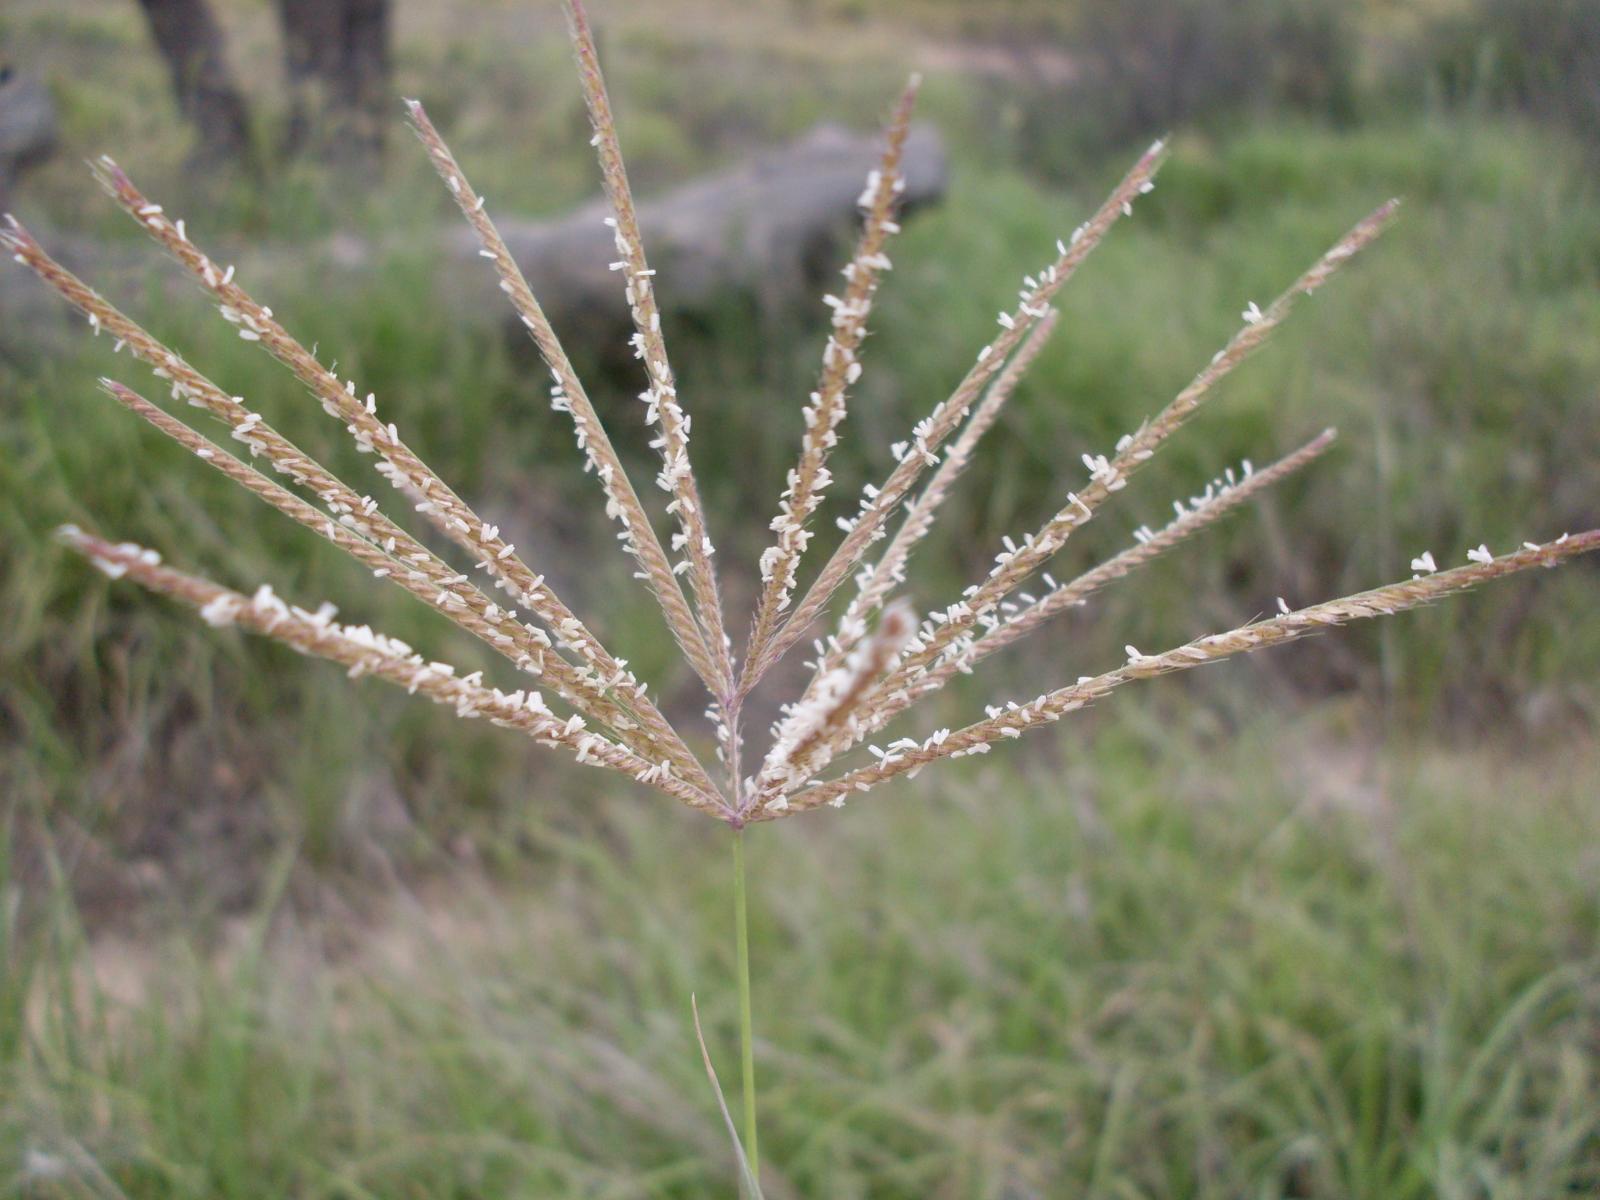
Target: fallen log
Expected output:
[28,126]
[770,231]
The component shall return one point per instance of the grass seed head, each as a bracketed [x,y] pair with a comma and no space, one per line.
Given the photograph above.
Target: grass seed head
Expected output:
[873,665]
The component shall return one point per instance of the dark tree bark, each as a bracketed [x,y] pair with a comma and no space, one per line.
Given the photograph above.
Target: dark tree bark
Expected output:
[189,38]
[28,127]
[337,60]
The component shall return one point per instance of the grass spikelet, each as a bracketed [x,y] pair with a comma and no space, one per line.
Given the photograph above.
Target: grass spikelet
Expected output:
[1011,719]
[662,406]
[893,695]
[1108,475]
[841,367]
[568,395]
[363,651]
[920,450]
[876,582]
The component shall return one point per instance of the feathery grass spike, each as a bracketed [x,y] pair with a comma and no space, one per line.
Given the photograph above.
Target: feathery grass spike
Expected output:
[416,567]
[1219,498]
[835,709]
[363,536]
[875,583]
[568,395]
[1215,501]
[841,367]
[1011,720]
[947,629]
[365,652]
[662,407]
[889,571]
[439,504]
[919,451]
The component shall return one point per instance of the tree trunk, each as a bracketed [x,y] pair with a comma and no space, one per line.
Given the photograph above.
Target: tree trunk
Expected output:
[189,38]
[336,57]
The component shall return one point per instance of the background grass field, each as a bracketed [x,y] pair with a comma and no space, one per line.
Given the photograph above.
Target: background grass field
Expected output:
[1318,925]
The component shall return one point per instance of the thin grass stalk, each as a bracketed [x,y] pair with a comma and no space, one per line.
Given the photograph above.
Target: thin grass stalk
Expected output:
[662,406]
[750,1185]
[568,395]
[841,367]
[1012,720]
[948,629]
[747,1053]
[914,455]
[364,652]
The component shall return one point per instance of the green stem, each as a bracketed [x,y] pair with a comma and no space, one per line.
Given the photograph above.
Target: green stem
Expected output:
[741,925]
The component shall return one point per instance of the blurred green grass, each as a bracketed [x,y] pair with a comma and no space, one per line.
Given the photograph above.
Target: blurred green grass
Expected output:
[1175,967]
